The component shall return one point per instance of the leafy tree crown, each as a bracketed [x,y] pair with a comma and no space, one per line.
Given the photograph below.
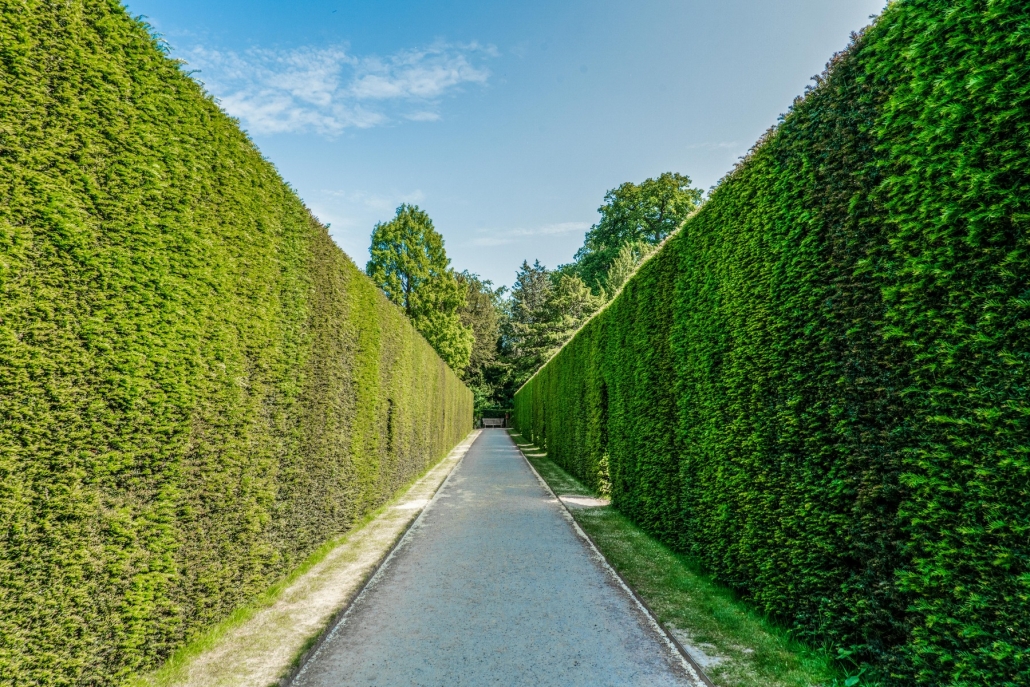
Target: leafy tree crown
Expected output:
[634,214]
[409,263]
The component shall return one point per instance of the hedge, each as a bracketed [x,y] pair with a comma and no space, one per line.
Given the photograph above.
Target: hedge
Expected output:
[820,386]
[197,387]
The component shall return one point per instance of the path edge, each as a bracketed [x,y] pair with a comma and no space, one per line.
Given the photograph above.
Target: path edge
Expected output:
[670,639]
[299,663]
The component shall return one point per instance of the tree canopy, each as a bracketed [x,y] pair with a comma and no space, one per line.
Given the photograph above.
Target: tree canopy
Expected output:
[497,340]
[409,263]
[638,215]
[545,309]
[482,313]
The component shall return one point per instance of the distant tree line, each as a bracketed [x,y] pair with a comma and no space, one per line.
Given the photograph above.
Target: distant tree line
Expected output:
[495,338]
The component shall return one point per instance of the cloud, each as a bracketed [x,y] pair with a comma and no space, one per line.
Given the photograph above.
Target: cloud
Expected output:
[724,145]
[503,237]
[375,201]
[424,116]
[486,241]
[551,229]
[421,74]
[328,90]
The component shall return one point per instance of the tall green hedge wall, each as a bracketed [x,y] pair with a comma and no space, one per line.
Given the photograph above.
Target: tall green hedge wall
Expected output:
[197,387]
[820,387]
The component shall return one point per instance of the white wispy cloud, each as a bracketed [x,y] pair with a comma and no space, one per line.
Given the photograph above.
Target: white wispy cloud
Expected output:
[424,116]
[487,241]
[550,229]
[364,201]
[327,90]
[503,237]
[722,145]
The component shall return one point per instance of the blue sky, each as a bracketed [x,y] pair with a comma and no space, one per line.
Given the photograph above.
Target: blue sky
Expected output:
[506,122]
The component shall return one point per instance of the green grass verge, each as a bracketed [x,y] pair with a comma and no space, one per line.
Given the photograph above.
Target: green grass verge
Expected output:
[748,649]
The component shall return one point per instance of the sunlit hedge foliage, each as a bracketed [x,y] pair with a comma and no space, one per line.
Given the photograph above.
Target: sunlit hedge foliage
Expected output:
[197,387]
[821,386]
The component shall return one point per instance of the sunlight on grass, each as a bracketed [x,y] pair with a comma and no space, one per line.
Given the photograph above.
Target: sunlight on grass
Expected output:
[736,646]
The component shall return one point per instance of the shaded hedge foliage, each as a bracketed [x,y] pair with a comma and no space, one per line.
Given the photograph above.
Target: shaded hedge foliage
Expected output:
[197,387]
[820,387]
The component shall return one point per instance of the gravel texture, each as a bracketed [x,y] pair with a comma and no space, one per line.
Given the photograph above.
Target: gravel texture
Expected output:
[493,585]
[259,651]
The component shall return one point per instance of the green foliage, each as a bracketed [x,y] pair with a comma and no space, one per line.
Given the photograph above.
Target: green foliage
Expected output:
[521,343]
[635,215]
[818,388]
[545,309]
[624,265]
[410,265]
[569,303]
[482,314]
[746,648]
[197,387]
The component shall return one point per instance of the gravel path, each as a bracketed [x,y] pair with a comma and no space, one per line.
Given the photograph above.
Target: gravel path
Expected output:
[493,586]
[258,651]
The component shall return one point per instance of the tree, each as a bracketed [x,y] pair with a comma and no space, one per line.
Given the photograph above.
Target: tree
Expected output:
[634,214]
[625,263]
[522,342]
[482,313]
[569,304]
[544,311]
[410,265]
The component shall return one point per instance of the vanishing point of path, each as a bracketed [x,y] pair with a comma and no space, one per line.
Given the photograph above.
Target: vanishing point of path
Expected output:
[493,586]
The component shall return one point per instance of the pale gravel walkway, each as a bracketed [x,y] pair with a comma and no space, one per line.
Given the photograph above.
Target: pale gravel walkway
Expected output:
[495,585]
[258,652]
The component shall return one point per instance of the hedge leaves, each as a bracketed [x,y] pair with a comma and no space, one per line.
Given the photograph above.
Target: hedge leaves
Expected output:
[819,386]
[197,387]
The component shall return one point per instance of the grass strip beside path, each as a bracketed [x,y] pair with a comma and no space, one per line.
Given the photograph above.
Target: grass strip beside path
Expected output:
[259,644]
[735,645]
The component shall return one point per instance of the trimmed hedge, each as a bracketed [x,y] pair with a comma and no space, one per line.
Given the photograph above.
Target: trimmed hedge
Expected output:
[197,387]
[820,387]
